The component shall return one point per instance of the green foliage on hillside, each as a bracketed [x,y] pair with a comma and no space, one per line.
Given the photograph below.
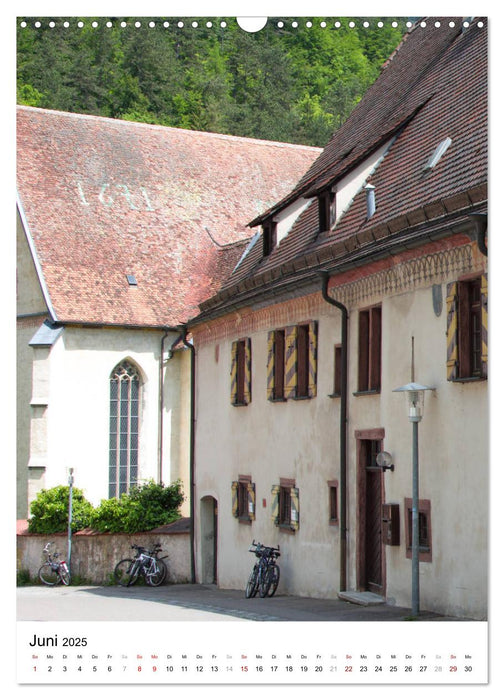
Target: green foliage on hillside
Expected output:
[287,84]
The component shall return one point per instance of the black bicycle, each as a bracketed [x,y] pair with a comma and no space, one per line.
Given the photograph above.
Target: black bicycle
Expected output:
[265,575]
[146,563]
[54,570]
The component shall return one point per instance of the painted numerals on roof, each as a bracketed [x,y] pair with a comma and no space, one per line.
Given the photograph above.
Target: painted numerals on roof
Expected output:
[117,194]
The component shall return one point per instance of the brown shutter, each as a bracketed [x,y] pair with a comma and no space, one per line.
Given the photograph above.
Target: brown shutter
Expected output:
[271,366]
[484,325]
[451,332]
[247,388]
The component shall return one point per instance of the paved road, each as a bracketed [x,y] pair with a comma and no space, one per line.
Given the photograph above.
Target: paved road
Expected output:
[189,602]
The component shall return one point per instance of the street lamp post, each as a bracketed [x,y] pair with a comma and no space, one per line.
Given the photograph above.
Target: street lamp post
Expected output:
[70,494]
[415,399]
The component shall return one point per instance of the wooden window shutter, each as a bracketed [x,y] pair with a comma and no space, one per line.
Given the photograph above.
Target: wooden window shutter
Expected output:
[234,499]
[275,493]
[312,358]
[247,389]
[290,388]
[271,366]
[234,372]
[484,325]
[451,332]
[375,350]
[294,518]
[251,500]
[363,369]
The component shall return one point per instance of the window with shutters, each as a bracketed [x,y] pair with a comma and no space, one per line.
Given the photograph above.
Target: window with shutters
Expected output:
[124,420]
[241,372]
[467,324]
[424,528]
[243,499]
[369,369]
[285,505]
[292,362]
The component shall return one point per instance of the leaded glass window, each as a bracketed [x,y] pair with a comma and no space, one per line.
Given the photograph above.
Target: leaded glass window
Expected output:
[123,432]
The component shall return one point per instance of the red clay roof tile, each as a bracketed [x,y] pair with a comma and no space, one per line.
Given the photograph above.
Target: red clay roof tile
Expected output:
[105,198]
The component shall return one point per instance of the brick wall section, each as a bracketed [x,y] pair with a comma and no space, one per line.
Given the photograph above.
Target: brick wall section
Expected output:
[94,555]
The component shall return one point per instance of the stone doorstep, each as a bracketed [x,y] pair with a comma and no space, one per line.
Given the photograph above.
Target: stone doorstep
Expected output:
[362,597]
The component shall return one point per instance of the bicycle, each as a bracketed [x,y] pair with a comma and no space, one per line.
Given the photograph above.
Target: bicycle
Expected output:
[54,570]
[146,563]
[265,575]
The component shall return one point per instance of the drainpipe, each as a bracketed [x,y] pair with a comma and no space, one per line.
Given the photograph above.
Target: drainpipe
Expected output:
[343,428]
[191,450]
[161,411]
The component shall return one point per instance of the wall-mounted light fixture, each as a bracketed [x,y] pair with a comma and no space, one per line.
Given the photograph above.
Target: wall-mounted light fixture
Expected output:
[384,460]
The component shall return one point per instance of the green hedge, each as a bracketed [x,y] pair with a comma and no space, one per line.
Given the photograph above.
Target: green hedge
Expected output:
[143,508]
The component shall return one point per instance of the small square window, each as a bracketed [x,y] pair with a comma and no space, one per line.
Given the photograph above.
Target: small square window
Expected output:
[333,502]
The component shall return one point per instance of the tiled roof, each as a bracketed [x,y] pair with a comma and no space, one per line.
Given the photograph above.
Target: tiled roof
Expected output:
[104,199]
[434,87]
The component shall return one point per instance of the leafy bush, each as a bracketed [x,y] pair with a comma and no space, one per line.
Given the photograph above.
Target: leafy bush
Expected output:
[143,508]
[49,511]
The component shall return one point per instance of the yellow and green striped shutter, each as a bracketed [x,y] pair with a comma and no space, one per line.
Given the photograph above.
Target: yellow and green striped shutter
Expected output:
[234,371]
[234,499]
[270,370]
[484,325]
[312,358]
[290,386]
[451,332]
[275,496]
[294,516]
[251,500]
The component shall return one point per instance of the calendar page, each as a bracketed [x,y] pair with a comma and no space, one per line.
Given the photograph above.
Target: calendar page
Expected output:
[233,228]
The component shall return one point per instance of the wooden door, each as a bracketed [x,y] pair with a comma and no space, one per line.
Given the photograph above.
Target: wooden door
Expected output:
[370,559]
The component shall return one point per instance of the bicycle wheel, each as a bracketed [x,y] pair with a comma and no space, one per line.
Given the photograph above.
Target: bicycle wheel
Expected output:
[126,573]
[48,575]
[273,580]
[252,583]
[158,576]
[64,574]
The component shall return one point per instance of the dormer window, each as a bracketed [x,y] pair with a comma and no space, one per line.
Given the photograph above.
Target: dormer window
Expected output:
[327,210]
[269,236]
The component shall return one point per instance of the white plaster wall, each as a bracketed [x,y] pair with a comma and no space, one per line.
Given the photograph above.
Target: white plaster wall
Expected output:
[300,440]
[76,383]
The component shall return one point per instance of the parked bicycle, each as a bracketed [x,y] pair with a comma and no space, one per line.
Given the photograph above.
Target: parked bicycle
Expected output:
[146,563]
[265,575]
[54,570]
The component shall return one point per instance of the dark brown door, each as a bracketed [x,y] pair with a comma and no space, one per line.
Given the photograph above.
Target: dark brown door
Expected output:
[373,536]
[371,485]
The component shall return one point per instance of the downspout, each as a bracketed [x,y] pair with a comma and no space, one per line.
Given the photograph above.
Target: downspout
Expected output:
[161,397]
[343,428]
[161,410]
[191,450]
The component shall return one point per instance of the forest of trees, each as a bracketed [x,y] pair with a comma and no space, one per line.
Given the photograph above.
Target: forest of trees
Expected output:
[284,83]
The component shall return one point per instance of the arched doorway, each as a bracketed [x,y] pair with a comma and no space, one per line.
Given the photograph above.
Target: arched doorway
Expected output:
[208,524]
